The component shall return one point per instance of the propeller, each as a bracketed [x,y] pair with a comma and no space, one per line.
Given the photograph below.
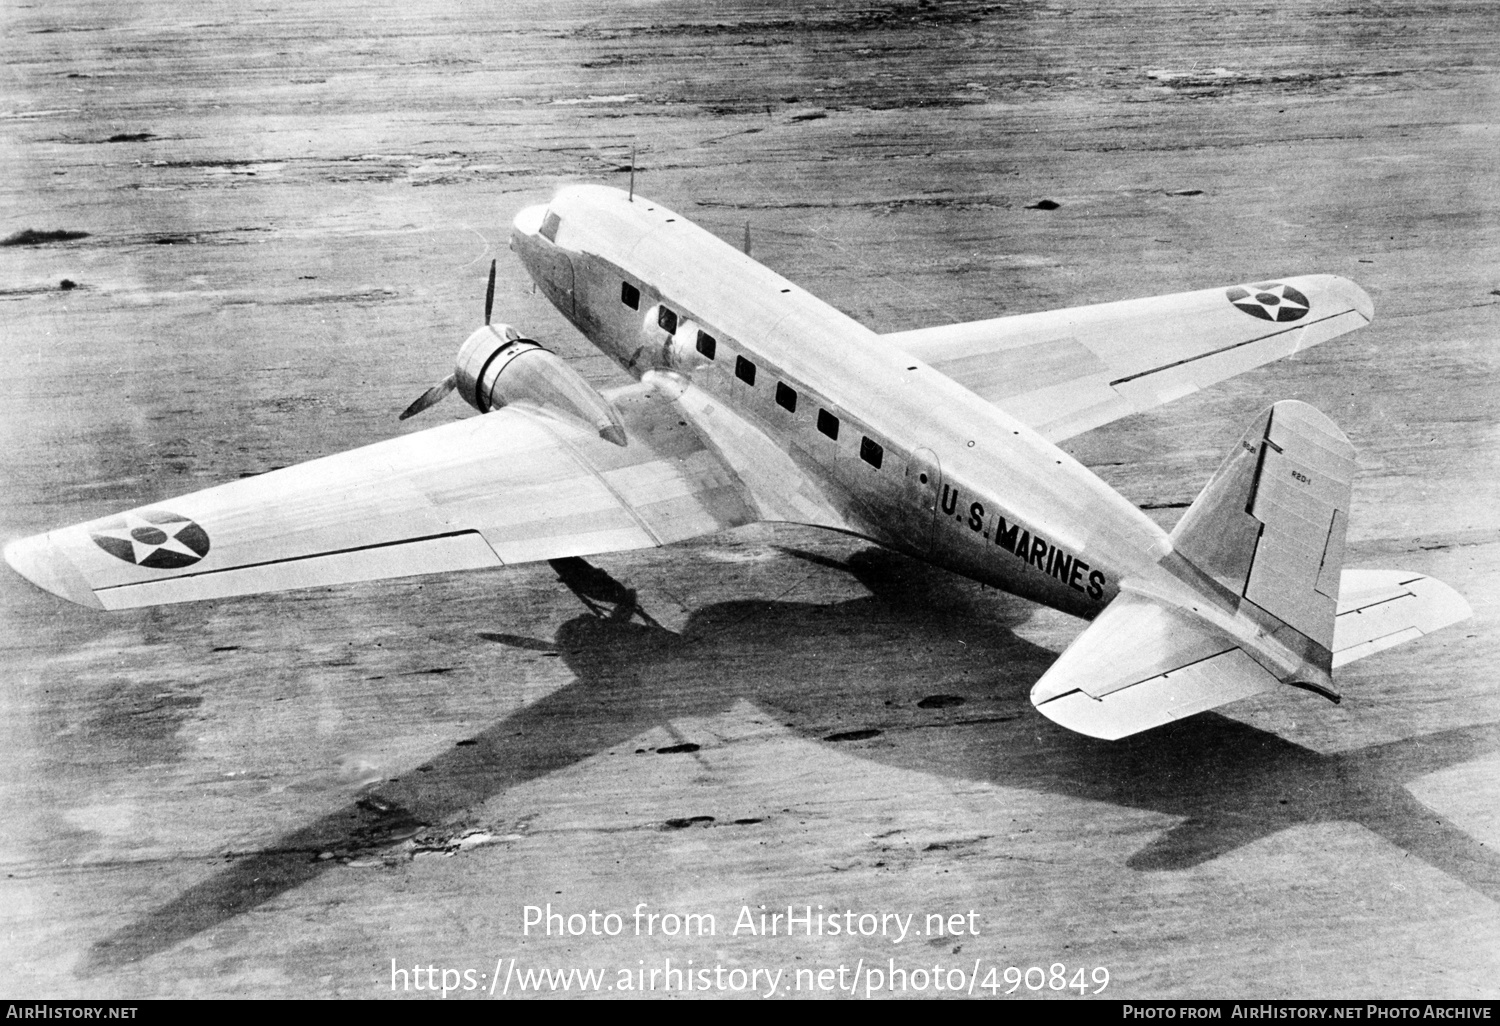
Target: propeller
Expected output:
[438,392]
[489,295]
[431,397]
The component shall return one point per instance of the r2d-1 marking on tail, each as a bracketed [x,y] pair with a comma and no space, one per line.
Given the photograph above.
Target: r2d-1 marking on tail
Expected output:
[754,401]
[1258,594]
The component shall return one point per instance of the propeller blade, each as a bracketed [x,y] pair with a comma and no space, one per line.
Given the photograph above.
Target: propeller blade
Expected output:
[431,397]
[489,294]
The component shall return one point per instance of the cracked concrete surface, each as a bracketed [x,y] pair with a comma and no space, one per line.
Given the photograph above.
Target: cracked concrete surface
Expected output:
[289,214]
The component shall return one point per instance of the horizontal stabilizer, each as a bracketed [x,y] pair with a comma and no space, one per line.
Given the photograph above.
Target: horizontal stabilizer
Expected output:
[1194,688]
[1142,664]
[1379,609]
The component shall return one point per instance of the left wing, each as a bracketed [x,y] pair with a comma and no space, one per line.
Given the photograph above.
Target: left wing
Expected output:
[512,486]
[1066,371]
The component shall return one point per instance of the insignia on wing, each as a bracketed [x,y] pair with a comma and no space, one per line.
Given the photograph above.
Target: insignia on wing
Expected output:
[1270,301]
[153,538]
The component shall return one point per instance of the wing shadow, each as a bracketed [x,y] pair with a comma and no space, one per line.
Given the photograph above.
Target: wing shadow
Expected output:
[630,676]
[1231,783]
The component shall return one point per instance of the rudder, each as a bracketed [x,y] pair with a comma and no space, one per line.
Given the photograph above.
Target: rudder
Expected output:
[1270,525]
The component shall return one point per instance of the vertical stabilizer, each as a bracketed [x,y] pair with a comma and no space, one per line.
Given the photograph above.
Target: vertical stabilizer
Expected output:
[1269,531]
[1270,525]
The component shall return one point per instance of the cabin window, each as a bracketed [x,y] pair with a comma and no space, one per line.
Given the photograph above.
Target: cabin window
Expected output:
[744,370]
[828,424]
[707,344]
[786,397]
[871,452]
[549,226]
[630,295]
[666,320]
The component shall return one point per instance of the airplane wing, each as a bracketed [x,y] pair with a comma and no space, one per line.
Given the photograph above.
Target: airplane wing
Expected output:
[512,486]
[1066,371]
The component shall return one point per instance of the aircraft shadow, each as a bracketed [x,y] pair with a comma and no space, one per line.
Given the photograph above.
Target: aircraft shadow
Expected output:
[1234,784]
[1231,783]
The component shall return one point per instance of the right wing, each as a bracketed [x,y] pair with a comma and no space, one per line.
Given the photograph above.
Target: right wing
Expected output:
[1064,372]
[512,486]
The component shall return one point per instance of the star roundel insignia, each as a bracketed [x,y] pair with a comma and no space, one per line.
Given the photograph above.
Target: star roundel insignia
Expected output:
[1270,301]
[153,538]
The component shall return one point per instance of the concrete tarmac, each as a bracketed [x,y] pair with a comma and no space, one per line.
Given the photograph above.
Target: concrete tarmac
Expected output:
[289,212]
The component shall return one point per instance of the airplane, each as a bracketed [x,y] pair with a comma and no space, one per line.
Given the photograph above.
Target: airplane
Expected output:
[753,400]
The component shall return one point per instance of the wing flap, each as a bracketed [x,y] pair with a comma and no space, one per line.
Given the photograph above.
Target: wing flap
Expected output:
[1066,371]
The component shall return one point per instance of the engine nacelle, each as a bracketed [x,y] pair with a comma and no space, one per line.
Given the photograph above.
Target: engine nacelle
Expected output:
[497,367]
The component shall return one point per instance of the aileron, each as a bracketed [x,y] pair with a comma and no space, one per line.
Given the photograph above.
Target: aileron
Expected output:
[465,550]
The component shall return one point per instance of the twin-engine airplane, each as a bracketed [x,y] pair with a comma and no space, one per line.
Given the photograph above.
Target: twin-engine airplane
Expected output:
[755,401]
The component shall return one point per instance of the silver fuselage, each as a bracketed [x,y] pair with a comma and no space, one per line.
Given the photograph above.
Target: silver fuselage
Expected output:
[960,483]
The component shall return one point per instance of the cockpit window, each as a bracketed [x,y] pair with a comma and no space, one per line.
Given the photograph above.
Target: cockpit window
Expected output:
[549,226]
